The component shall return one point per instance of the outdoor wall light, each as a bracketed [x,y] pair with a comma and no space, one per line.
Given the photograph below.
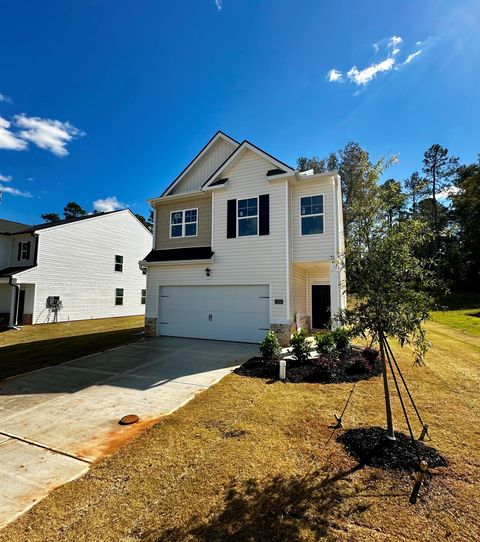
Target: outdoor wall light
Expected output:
[208,272]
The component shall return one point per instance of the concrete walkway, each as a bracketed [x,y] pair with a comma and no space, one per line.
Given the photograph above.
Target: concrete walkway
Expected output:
[57,421]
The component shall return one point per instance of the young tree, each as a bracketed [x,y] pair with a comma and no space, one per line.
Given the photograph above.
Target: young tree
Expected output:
[50,217]
[439,169]
[391,282]
[417,189]
[72,210]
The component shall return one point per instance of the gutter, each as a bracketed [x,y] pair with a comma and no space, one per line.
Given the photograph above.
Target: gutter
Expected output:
[13,324]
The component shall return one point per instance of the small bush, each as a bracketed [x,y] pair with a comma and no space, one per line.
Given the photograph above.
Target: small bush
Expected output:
[370,354]
[300,346]
[359,364]
[341,338]
[270,347]
[326,344]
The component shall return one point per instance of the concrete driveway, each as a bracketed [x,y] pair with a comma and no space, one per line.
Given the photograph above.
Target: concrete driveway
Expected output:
[57,421]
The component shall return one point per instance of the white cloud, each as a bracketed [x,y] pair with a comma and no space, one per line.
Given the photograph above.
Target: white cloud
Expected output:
[14,191]
[219,4]
[108,204]
[412,56]
[364,76]
[448,192]
[8,140]
[395,40]
[48,134]
[334,75]
[5,98]
[5,178]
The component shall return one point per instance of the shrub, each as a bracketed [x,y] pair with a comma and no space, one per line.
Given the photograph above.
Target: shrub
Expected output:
[341,337]
[300,346]
[326,344]
[359,365]
[270,347]
[370,354]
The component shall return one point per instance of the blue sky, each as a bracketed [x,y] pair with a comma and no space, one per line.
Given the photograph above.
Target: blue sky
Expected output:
[111,99]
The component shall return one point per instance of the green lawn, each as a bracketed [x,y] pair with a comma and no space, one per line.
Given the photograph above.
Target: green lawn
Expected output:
[34,347]
[251,460]
[461,311]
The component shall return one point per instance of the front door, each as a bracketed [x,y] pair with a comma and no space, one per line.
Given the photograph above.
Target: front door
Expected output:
[21,306]
[320,306]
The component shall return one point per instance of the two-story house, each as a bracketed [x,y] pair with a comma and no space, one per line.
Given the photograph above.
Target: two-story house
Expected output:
[243,243]
[74,269]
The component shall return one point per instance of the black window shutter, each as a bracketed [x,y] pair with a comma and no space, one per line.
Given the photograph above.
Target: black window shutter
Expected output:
[28,251]
[264,208]
[231,218]
[19,255]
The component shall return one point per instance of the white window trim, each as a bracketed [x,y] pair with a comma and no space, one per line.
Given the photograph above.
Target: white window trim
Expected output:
[257,216]
[304,216]
[183,223]
[24,251]
[122,297]
[143,297]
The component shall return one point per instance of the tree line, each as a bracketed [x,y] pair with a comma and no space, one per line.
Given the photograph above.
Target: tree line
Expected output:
[73,210]
[444,197]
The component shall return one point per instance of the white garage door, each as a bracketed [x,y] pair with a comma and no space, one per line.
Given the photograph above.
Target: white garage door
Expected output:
[227,313]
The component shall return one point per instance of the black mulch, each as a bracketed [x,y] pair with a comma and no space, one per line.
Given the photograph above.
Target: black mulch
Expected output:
[352,366]
[370,446]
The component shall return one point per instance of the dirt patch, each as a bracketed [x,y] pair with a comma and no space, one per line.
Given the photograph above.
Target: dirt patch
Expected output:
[370,446]
[352,365]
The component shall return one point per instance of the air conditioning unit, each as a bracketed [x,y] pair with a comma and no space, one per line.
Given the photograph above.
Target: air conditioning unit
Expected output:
[53,301]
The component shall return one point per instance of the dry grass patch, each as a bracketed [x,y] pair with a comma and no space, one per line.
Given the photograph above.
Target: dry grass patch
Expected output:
[252,461]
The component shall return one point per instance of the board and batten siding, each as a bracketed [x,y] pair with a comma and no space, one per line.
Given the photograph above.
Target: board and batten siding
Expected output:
[207,165]
[203,203]
[76,261]
[313,247]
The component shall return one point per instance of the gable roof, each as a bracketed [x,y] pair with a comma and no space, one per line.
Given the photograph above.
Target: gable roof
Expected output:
[236,153]
[198,157]
[7,226]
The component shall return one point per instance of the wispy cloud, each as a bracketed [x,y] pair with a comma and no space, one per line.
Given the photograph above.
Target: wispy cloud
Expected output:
[448,192]
[5,178]
[219,4]
[391,48]
[48,134]
[108,204]
[8,140]
[411,56]
[5,98]
[14,191]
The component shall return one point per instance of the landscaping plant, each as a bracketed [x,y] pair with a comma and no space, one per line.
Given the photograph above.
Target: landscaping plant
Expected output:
[270,348]
[300,346]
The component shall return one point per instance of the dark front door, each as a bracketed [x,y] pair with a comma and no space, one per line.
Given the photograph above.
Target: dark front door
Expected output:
[320,306]
[21,306]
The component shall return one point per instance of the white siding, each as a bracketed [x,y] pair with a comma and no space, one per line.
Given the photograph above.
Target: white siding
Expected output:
[76,262]
[313,247]
[298,292]
[243,260]
[26,238]
[202,170]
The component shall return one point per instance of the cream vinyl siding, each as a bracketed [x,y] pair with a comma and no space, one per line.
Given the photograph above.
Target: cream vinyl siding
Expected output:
[298,292]
[316,277]
[313,247]
[76,262]
[207,165]
[203,203]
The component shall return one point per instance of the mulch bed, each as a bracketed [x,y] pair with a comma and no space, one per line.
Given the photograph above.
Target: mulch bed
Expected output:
[370,446]
[352,366]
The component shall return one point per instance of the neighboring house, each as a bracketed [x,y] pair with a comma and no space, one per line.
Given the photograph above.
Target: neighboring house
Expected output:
[89,264]
[243,243]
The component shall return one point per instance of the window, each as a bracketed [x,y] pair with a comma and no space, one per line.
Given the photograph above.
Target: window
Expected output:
[311,211]
[247,214]
[143,299]
[119,263]
[183,223]
[23,251]
[119,296]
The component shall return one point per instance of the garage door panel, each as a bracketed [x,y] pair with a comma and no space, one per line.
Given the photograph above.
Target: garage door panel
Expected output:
[232,313]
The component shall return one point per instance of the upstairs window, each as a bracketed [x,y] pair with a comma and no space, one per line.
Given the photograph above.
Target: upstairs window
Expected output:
[247,216]
[311,213]
[119,296]
[184,223]
[23,251]
[143,297]
[119,263]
